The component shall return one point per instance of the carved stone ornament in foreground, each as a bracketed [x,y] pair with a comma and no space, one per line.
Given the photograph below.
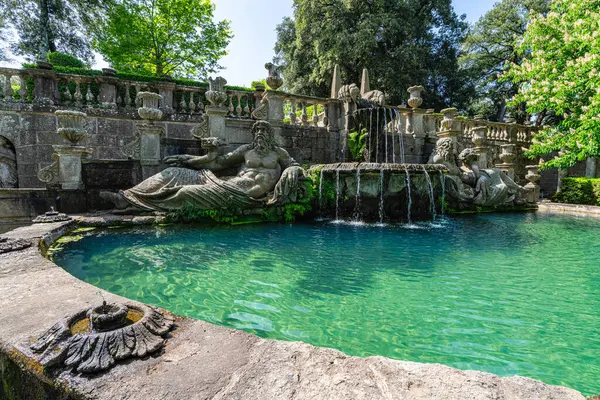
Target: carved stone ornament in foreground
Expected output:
[274,80]
[8,245]
[94,339]
[71,125]
[49,175]
[216,91]
[51,216]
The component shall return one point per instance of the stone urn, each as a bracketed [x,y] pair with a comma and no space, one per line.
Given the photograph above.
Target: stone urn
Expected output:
[71,125]
[479,135]
[532,175]
[216,91]
[109,71]
[450,115]
[507,153]
[415,99]
[274,80]
[149,110]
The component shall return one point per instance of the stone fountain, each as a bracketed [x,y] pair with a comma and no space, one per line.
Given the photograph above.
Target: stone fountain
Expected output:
[94,339]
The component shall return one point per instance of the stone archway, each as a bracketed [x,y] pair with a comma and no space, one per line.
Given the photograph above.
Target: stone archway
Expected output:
[8,164]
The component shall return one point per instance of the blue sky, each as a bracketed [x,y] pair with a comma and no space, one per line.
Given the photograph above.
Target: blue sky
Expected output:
[253,23]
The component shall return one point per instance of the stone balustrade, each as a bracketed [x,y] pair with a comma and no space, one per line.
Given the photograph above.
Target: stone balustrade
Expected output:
[49,88]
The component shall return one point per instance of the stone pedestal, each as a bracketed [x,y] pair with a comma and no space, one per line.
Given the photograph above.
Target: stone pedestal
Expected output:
[216,121]
[149,143]
[590,167]
[45,87]
[334,114]
[108,93]
[166,90]
[507,156]
[533,189]
[450,125]
[69,165]
[275,108]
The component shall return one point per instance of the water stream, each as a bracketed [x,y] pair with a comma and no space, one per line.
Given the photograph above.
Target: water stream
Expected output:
[385,133]
[337,194]
[408,194]
[400,140]
[321,193]
[357,214]
[381,205]
[431,195]
[443,182]
[393,122]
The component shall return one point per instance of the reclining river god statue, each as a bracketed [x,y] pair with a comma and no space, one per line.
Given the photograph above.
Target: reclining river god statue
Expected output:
[266,175]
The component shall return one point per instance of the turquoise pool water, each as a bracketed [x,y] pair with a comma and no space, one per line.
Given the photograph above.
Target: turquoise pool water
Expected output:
[507,294]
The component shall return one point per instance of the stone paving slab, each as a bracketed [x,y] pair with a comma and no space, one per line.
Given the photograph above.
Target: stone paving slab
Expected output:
[204,361]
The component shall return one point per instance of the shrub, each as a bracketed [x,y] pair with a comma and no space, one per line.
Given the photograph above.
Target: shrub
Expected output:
[64,60]
[579,191]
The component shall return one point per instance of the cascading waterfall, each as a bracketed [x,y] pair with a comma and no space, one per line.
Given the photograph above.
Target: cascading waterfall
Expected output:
[408,194]
[385,133]
[370,133]
[400,140]
[357,204]
[321,193]
[381,209]
[443,182]
[431,196]
[377,141]
[393,122]
[337,194]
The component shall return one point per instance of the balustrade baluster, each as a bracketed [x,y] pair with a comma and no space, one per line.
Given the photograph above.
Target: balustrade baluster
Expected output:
[200,102]
[8,90]
[315,118]
[78,96]
[238,109]
[138,100]
[247,107]
[23,90]
[304,114]
[182,104]
[127,95]
[192,104]
[326,115]
[89,96]
[230,108]
[293,112]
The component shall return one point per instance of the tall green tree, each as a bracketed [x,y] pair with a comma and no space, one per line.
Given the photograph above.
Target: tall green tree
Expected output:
[173,37]
[45,26]
[492,42]
[560,74]
[401,42]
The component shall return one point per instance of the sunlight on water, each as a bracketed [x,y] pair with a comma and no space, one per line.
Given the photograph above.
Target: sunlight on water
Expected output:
[507,294]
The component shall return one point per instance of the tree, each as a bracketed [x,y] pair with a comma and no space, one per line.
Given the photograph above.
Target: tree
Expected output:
[401,42]
[162,37]
[3,55]
[52,25]
[560,74]
[491,43]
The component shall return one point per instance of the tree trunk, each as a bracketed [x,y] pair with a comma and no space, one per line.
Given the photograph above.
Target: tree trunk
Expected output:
[49,45]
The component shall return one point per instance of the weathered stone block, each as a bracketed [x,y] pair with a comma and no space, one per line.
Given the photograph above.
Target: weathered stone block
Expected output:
[179,131]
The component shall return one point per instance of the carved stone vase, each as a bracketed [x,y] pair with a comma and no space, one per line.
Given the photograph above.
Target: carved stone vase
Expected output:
[415,99]
[533,189]
[71,125]
[216,93]
[149,110]
[479,135]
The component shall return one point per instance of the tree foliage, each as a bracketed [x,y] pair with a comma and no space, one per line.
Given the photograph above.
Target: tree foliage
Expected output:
[46,26]
[561,73]
[3,35]
[162,37]
[401,42]
[492,42]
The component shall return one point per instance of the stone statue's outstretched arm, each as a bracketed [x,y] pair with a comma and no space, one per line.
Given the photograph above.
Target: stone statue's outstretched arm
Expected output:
[234,157]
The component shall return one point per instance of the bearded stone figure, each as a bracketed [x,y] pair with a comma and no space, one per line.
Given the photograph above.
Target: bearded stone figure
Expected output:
[267,175]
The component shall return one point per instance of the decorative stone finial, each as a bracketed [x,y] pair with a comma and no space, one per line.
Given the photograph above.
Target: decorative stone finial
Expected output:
[274,80]
[94,339]
[149,110]
[336,83]
[415,99]
[70,125]
[365,85]
[216,91]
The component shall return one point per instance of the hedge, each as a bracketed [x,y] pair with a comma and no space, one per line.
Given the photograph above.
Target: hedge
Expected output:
[579,191]
[133,76]
[64,60]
